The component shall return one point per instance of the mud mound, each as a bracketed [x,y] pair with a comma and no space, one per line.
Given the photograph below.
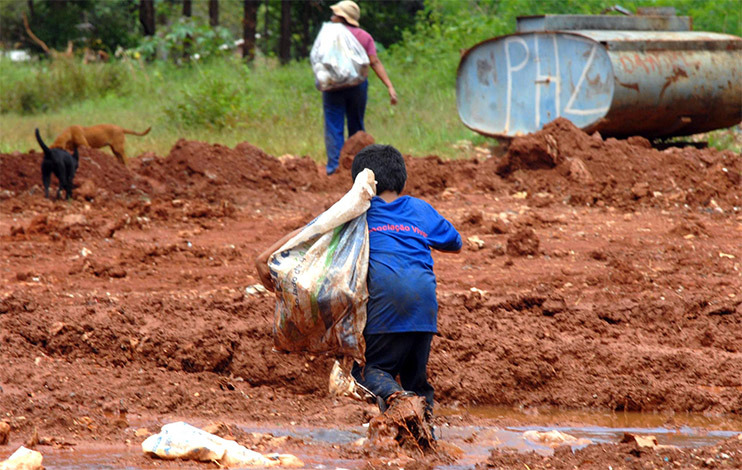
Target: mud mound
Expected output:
[628,455]
[562,159]
[352,146]
[431,175]
[524,242]
[193,166]
[22,171]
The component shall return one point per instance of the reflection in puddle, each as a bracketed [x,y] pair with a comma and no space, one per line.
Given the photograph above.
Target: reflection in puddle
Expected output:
[475,441]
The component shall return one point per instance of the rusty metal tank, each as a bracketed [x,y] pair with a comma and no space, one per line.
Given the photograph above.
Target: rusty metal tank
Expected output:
[618,75]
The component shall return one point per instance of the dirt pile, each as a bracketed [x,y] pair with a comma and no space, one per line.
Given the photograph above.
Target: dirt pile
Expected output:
[581,169]
[559,163]
[352,146]
[191,167]
[22,172]
[629,456]
[198,168]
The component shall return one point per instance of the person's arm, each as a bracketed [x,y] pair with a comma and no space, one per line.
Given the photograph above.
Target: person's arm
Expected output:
[442,236]
[381,73]
[458,250]
[261,262]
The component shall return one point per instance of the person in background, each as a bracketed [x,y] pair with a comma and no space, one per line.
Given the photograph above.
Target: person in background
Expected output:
[350,102]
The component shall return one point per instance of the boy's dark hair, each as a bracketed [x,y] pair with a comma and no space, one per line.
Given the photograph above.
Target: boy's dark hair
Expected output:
[387,164]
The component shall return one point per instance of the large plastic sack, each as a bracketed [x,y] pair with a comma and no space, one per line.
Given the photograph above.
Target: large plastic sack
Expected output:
[320,278]
[338,59]
[182,441]
[23,459]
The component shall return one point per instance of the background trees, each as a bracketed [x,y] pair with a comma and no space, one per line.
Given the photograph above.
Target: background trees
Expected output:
[285,28]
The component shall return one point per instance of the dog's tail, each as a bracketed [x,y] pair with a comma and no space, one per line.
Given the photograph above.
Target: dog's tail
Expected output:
[127,131]
[41,142]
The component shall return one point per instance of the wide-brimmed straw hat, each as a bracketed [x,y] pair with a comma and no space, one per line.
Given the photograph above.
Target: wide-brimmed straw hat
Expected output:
[349,10]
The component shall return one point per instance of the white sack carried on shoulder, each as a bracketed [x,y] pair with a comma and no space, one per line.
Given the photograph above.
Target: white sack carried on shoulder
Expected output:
[338,59]
[320,278]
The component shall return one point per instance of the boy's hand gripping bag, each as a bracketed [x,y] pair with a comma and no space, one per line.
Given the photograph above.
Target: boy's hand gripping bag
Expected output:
[338,59]
[320,278]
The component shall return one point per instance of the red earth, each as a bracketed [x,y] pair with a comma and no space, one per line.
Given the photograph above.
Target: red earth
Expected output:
[597,275]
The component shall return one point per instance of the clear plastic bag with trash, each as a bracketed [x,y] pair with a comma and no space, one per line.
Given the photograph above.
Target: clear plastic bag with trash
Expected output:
[320,278]
[182,441]
[338,59]
[23,459]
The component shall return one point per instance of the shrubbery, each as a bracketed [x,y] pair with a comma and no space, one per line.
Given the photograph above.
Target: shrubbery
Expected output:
[44,86]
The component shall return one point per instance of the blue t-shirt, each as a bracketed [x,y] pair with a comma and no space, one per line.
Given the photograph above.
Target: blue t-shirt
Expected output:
[401,282]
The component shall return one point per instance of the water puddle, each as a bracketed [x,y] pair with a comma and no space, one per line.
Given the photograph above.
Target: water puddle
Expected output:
[319,448]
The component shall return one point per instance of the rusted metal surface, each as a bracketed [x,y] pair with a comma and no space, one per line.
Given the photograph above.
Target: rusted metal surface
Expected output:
[672,83]
[528,24]
[651,83]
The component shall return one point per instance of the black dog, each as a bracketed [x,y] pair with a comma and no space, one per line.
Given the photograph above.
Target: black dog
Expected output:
[62,164]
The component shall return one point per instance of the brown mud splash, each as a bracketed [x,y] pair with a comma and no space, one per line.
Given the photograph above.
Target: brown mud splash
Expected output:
[402,431]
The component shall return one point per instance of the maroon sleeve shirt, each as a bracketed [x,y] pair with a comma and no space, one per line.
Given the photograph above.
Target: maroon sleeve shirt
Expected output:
[364,38]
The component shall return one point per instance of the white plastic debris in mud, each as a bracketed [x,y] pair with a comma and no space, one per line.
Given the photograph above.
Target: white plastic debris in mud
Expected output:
[183,441]
[23,459]
[555,438]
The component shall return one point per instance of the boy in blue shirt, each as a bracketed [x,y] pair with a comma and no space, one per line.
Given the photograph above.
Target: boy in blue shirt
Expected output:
[402,312]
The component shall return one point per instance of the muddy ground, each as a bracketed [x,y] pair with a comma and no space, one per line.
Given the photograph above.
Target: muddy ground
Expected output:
[597,275]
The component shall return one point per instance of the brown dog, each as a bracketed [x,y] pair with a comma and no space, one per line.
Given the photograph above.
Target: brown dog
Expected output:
[96,137]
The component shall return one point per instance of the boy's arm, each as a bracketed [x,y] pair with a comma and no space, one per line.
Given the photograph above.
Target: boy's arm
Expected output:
[458,250]
[443,236]
[261,262]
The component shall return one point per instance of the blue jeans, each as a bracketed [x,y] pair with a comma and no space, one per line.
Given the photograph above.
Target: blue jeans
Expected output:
[392,354]
[337,104]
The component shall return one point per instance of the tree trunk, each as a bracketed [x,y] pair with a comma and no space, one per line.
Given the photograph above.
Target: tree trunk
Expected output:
[30,8]
[213,13]
[304,15]
[187,11]
[249,28]
[147,16]
[266,21]
[284,44]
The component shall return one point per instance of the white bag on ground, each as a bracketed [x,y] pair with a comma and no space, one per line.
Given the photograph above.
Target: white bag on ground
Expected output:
[183,441]
[338,59]
[23,459]
[320,278]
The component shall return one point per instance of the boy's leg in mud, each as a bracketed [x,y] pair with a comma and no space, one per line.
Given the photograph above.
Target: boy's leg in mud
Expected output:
[413,374]
[384,355]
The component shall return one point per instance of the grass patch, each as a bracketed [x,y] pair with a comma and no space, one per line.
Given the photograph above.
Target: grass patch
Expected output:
[224,101]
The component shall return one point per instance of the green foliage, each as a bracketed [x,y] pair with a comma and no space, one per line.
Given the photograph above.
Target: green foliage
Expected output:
[209,100]
[33,88]
[726,139]
[219,99]
[201,40]
[104,25]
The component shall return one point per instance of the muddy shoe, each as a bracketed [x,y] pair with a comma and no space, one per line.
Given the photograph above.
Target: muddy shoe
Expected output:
[385,404]
[397,395]
[428,417]
[403,422]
